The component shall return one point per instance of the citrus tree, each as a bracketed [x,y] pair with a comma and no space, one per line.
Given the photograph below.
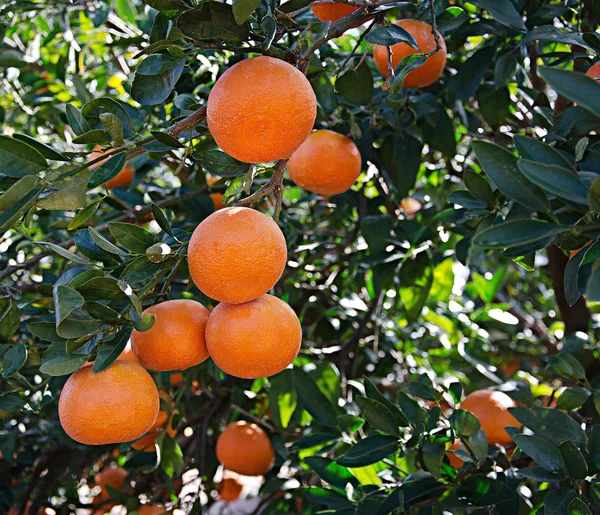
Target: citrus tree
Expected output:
[271,257]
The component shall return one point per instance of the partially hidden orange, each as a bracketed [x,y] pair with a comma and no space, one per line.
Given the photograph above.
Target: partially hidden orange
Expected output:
[229,489]
[261,110]
[255,339]
[334,11]
[123,178]
[236,255]
[112,476]
[243,447]
[217,198]
[594,71]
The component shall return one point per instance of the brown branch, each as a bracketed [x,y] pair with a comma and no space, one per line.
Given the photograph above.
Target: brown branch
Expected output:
[274,186]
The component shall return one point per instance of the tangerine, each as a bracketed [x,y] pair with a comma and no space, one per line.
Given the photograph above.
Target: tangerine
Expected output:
[256,339]
[333,12]
[146,443]
[455,461]
[426,74]
[229,489]
[243,447]
[327,163]
[217,198]
[147,509]
[117,405]
[112,476]
[176,340]
[491,408]
[261,110]
[594,71]
[236,255]
[123,178]
[411,206]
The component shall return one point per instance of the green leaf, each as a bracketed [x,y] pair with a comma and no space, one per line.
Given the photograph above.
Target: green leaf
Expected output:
[63,365]
[578,507]
[373,393]
[543,452]
[155,88]
[388,35]
[505,68]
[167,139]
[166,5]
[368,451]
[401,159]
[465,423]
[405,66]
[356,85]
[573,398]
[219,163]
[433,455]
[161,219]
[556,180]
[140,269]
[282,398]
[550,424]
[70,193]
[557,502]
[18,191]
[170,455]
[91,136]
[566,365]
[83,216]
[377,231]
[11,404]
[212,21]
[9,317]
[94,108]
[312,399]
[13,360]
[463,85]
[536,150]
[517,232]
[66,300]
[113,126]
[451,19]
[494,104]
[331,472]
[500,165]
[19,159]
[107,170]
[242,9]
[378,415]
[479,445]
[76,120]
[503,11]
[46,151]
[101,288]
[104,244]
[110,351]
[575,86]
[132,237]
[10,58]
[65,253]
[324,496]
[9,217]
[479,490]
[576,465]
[478,186]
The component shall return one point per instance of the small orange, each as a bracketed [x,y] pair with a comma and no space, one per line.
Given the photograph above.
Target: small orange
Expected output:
[176,379]
[147,509]
[110,476]
[123,178]
[411,206]
[455,461]
[333,12]
[229,489]
[491,408]
[327,163]
[261,110]
[236,255]
[176,340]
[117,405]
[256,339]
[146,443]
[594,71]
[245,448]
[424,75]
[217,198]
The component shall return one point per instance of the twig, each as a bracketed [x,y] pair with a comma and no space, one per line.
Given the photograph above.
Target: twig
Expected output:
[253,417]
[434,29]
[275,185]
[360,40]
[390,68]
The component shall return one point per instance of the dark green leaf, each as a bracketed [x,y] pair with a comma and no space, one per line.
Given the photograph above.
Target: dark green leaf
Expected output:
[94,108]
[389,35]
[20,159]
[312,399]
[503,11]
[221,164]
[376,231]
[356,86]
[573,398]
[480,490]
[155,89]
[576,465]
[9,317]
[78,123]
[107,170]
[578,507]
[551,424]
[407,65]
[557,502]
[161,219]
[401,158]
[543,452]
[377,415]
[171,456]
[373,393]
[13,360]
[518,232]
[212,20]
[242,9]
[83,216]
[46,151]
[556,180]
[331,472]
[18,191]
[11,404]
[63,365]
[324,496]
[167,139]
[536,150]
[113,126]
[110,351]
[478,186]
[132,237]
[465,423]
[505,69]
[433,455]
[91,136]
[575,86]
[166,5]
[368,451]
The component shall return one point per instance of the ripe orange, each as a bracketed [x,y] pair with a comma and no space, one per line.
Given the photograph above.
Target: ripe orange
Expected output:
[146,443]
[236,255]
[594,71]
[256,339]
[176,340]
[217,198]
[110,476]
[117,405]
[124,177]
[327,163]
[176,379]
[455,461]
[246,449]
[261,110]
[424,75]
[512,367]
[411,206]
[491,408]
[333,12]
[146,509]
[229,489]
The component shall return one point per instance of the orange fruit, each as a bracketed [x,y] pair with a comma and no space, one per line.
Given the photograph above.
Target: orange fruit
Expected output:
[333,12]
[146,509]
[256,339]
[491,408]
[424,75]
[146,443]
[117,405]
[411,206]
[512,367]
[327,163]
[176,379]
[217,198]
[236,255]
[123,178]
[455,461]
[176,340]
[110,476]
[229,489]
[261,110]
[245,448]
[594,71]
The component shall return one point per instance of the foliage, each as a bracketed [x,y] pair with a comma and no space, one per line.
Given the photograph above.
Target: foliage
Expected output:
[400,311]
